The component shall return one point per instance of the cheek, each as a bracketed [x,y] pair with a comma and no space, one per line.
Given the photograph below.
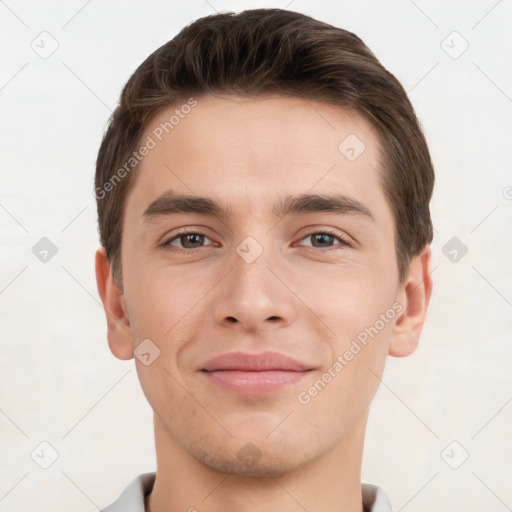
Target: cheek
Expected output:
[163,300]
[348,299]
[360,315]
[340,393]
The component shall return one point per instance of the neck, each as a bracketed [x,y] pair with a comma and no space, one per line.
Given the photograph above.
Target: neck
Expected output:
[329,483]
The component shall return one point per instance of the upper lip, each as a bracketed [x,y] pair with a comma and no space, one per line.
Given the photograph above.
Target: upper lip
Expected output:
[262,361]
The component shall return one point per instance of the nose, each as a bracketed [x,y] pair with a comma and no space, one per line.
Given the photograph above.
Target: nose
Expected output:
[255,295]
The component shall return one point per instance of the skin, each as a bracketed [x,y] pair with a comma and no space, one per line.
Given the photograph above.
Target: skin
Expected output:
[293,298]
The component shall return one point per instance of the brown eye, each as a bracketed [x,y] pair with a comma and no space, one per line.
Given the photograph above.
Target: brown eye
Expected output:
[327,240]
[186,241]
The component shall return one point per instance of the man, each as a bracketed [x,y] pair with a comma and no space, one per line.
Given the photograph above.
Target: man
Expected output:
[263,197]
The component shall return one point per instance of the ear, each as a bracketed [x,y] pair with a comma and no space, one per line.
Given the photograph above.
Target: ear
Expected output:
[415,295]
[118,325]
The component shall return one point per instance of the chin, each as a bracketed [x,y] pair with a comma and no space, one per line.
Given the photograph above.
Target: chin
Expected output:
[259,464]
[254,457]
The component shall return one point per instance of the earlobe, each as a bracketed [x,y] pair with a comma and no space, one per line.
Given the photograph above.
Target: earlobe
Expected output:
[415,296]
[118,325]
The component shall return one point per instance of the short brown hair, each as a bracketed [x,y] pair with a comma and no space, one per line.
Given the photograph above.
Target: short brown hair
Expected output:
[269,51]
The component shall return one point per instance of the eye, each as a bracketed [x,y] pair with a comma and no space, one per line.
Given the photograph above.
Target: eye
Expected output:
[323,240]
[189,241]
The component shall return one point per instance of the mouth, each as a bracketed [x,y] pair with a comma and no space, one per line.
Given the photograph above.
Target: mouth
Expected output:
[252,374]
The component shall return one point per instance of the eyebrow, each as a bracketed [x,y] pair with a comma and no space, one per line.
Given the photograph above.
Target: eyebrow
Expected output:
[170,203]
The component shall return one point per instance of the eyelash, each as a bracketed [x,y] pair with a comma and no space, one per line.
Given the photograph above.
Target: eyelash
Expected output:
[344,243]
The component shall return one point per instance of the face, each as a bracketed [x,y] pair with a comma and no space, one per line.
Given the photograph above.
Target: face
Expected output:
[259,269]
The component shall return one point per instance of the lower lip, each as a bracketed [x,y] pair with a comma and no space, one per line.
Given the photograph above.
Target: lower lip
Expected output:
[254,383]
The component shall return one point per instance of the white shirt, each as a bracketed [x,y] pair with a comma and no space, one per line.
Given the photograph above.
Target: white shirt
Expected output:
[132,498]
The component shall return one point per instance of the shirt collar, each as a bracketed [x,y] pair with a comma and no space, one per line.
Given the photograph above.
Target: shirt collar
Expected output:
[132,498]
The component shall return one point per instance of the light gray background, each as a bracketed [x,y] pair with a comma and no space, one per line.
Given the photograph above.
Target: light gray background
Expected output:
[60,383]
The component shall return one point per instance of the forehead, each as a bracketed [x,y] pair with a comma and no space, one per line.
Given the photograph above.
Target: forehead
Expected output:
[245,151]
